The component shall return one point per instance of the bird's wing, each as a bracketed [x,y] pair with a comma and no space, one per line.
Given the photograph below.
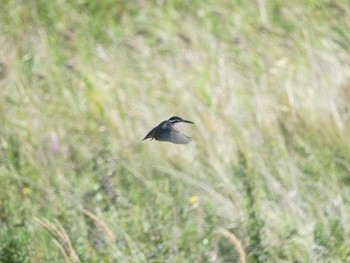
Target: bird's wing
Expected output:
[171,135]
[179,138]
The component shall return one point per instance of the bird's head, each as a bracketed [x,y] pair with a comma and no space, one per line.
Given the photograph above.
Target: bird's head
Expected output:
[176,119]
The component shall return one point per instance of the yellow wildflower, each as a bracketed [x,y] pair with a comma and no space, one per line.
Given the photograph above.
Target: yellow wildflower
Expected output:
[194,199]
[26,190]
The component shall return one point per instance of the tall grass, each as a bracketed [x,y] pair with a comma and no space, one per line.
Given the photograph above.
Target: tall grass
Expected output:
[266,178]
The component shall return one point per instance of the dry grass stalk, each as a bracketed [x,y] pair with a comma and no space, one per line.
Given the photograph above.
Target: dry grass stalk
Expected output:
[108,232]
[63,252]
[61,239]
[235,242]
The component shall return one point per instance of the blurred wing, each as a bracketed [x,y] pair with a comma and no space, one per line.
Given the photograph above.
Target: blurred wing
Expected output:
[174,137]
[180,138]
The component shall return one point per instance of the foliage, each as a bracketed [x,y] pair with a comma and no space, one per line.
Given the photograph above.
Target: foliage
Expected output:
[267,84]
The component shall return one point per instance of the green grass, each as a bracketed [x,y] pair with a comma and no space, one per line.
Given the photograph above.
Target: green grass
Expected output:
[267,84]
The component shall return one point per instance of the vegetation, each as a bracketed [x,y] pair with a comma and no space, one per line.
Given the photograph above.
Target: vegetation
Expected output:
[267,176]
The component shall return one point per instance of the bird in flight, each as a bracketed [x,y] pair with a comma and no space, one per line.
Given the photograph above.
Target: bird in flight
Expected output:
[167,132]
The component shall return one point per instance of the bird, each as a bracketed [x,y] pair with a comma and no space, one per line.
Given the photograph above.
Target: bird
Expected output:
[167,132]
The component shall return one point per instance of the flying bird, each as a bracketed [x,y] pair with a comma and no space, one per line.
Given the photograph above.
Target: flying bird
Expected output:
[167,132]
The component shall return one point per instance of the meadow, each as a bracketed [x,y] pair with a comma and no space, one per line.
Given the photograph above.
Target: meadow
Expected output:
[266,177]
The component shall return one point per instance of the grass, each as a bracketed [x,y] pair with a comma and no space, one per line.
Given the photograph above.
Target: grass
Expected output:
[267,176]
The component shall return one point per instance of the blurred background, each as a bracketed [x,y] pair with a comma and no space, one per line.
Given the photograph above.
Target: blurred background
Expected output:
[266,177]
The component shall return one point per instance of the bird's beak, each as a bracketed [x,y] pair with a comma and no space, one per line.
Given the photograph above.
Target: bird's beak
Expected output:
[188,121]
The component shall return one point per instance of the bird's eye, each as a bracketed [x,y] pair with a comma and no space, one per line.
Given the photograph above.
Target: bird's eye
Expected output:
[175,118]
